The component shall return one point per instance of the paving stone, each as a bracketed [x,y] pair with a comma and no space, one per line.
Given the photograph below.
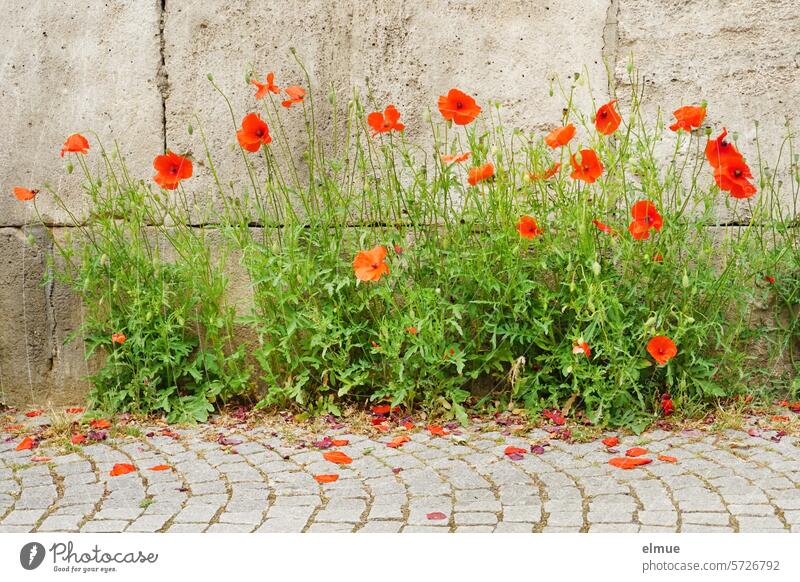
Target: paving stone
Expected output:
[109,526]
[757,524]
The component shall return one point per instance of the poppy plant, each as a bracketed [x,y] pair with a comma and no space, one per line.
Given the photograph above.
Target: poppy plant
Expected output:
[607,119]
[254,133]
[645,216]
[263,88]
[295,93]
[662,349]
[734,177]
[455,159]
[560,136]
[458,107]
[171,169]
[588,169]
[369,265]
[528,228]
[688,118]
[24,194]
[118,338]
[721,152]
[480,173]
[385,122]
[75,144]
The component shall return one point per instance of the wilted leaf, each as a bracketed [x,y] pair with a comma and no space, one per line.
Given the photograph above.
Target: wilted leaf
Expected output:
[337,457]
[628,463]
[122,469]
[326,478]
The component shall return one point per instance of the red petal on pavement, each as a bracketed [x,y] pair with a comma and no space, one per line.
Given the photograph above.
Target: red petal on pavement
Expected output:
[122,469]
[326,478]
[160,468]
[27,444]
[437,515]
[611,442]
[628,463]
[636,452]
[340,442]
[399,441]
[337,457]
[77,439]
[667,459]
[33,413]
[100,424]
[76,410]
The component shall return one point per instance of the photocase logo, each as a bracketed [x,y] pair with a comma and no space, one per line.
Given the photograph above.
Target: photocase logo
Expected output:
[31,555]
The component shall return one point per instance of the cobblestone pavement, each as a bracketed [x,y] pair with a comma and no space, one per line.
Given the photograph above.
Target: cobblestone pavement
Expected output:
[253,479]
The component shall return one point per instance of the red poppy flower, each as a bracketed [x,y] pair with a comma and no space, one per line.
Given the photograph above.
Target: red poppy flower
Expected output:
[295,93]
[607,119]
[480,173]
[603,227]
[75,144]
[548,173]
[24,194]
[658,258]
[581,348]
[369,265]
[412,330]
[662,349]
[688,118]
[458,107]
[384,122]
[268,87]
[734,177]
[118,338]
[171,169]
[254,133]
[528,228]
[456,159]
[769,279]
[589,168]
[645,216]
[720,152]
[667,406]
[560,136]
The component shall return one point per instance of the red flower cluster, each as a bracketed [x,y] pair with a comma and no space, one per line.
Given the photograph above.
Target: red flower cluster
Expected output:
[731,173]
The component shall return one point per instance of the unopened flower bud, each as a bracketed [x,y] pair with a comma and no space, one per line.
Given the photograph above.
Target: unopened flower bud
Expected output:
[596,268]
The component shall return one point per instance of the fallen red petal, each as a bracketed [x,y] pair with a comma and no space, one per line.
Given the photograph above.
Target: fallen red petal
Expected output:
[33,413]
[76,410]
[27,444]
[122,469]
[337,457]
[340,442]
[636,452]
[77,439]
[40,459]
[100,424]
[667,459]
[399,441]
[160,468]
[436,430]
[436,515]
[628,463]
[611,442]
[326,478]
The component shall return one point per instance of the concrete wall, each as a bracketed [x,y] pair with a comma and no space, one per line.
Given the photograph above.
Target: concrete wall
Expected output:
[135,71]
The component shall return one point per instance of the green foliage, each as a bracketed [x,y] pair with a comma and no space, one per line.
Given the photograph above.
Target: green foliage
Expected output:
[472,315]
[178,357]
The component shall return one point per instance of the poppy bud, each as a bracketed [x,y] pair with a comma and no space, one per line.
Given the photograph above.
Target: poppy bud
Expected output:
[31,240]
[210,77]
[685,281]
[190,129]
[650,322]
[596,268]
[426,116]
[70,168]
